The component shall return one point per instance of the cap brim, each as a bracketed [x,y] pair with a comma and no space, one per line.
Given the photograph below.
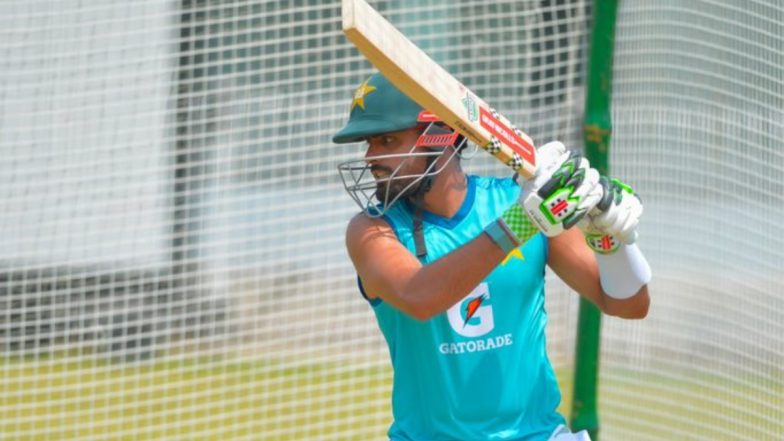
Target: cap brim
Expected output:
[359,130]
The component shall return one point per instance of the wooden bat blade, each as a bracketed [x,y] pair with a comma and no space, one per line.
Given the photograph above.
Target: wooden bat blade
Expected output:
[423,80]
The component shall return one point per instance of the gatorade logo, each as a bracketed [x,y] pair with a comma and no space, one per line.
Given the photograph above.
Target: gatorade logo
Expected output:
[472,316]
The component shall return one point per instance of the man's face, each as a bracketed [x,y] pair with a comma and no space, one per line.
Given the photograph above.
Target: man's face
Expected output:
[395,143]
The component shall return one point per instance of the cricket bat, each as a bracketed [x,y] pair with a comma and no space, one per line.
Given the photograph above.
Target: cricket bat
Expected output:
[423,80]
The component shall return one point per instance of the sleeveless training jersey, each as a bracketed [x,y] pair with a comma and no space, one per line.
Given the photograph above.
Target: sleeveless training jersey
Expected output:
[478,371]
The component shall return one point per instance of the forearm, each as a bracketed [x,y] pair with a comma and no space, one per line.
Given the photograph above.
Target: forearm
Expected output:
[435,287]
[611,232]
[577,265]
[624,277]
[563,190]
[634,307]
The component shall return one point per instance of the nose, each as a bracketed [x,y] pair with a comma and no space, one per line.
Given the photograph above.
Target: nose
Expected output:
[372,150]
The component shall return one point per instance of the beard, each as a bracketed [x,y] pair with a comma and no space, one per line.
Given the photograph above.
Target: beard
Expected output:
[397,189]
[394,189]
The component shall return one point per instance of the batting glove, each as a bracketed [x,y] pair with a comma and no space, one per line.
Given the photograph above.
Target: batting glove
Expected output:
[615,219]
[561,193]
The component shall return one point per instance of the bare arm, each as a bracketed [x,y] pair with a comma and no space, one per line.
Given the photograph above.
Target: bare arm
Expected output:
[389,271]
[575,263]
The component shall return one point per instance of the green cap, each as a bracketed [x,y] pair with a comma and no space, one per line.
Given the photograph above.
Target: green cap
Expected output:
[378,107]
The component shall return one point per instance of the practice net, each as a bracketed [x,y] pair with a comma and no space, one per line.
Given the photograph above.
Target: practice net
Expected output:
[172,262]
[699,118]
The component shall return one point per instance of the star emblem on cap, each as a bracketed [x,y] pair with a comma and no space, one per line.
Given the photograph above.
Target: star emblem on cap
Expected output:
[361,93]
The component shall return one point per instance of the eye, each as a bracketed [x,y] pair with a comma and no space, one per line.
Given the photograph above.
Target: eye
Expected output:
[387,139]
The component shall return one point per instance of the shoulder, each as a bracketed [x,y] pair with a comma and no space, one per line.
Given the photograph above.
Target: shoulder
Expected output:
[377,255]
[363,229]
[361,223]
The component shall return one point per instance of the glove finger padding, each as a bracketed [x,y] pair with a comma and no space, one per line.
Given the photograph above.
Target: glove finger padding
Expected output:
[607,194]
[628,230]
[612,220]
[566,195]
[548,155]
[620,218]
[565,175]
[586,224]
[589,192]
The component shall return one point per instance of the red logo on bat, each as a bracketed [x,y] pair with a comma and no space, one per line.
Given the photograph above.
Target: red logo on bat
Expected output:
[506,135]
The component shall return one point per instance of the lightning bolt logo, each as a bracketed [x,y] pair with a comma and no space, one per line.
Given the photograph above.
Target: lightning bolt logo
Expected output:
[472,306]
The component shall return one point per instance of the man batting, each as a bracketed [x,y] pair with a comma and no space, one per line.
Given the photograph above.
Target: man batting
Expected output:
[453,266]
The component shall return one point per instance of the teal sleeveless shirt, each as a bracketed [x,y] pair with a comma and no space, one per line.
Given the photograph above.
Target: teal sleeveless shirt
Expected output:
[478,371]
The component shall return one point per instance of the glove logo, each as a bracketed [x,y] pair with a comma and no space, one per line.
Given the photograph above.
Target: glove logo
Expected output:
[557,207]
[472,316]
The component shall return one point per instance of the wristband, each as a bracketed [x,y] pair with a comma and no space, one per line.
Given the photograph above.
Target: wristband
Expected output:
[624,272]
[502,237]
[518,223]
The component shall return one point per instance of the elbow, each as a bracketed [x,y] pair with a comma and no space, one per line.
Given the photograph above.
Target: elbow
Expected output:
[415,306]
[635,313]
[644,308]
[633,308]
[422,315]
[421,312]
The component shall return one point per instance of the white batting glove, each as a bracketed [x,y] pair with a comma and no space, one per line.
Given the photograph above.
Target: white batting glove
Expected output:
[615,219]
[563,191]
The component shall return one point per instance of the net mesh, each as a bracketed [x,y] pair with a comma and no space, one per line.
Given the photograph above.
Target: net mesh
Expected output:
[698,122]
[172,221]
